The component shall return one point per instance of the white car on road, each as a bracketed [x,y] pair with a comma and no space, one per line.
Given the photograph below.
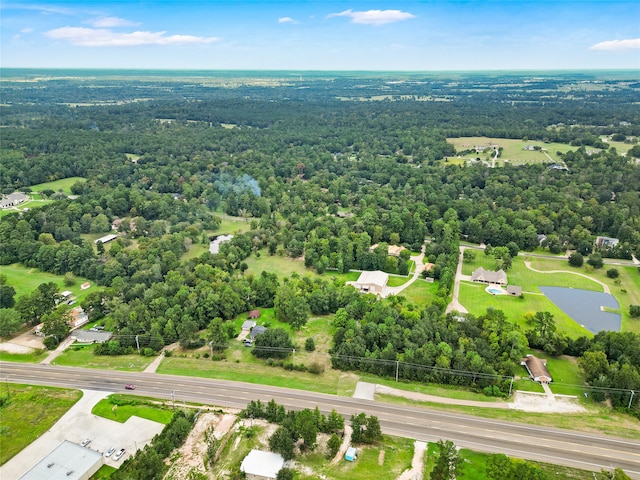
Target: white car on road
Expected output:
[118,455]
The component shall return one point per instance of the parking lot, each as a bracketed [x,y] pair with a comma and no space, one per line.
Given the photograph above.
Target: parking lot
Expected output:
[79,424]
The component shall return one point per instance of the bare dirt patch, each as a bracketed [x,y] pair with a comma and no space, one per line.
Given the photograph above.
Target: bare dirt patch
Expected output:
[535,402]
[194,449]
[11,347]
[417,464]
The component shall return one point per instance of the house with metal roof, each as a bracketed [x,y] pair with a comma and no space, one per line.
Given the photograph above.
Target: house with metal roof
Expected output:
[371,282]
[537,369]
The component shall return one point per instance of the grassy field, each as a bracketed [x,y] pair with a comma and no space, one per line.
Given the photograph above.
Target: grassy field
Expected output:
[34,357]
[513,149]
[398,453]
[62,185]
[474,466]
[281,266]
[626,290]
[25,280]
[104,473]
[29,413]
[82,356]
[477,301]
[420,292]
[130,405]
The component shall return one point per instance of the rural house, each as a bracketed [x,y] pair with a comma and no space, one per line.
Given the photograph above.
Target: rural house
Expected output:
[488,276]
[13,199]
[537,369]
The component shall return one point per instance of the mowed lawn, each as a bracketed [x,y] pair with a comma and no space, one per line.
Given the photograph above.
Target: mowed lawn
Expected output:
[476,300]
[62,185]
[626,289]
[237,362]
[30,411]
[281,266]
[83,356]
[25,280]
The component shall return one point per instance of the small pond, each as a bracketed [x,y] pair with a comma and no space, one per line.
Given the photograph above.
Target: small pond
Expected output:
[585,307]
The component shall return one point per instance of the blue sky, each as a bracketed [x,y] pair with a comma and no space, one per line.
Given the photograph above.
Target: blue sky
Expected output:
[321,35]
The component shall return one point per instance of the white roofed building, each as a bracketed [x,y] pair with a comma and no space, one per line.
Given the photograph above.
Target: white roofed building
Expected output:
[260,465]
[106,238]
[67,461]
[371,282]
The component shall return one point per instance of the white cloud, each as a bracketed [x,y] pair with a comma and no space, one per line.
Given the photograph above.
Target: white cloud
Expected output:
[616,45]
[100,37]
[26,30]
[286,20]
[375,17]
[109,22]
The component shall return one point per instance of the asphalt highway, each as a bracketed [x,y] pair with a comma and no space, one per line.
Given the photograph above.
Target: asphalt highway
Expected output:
[551,445]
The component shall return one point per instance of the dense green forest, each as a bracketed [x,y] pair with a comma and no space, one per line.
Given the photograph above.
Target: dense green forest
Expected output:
[323,167]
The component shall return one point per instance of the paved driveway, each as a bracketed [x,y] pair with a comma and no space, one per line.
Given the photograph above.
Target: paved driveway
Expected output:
[76,425]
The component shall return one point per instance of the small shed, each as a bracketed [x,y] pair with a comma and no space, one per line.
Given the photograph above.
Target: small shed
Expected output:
[351,454]
[254,314]
[514,290]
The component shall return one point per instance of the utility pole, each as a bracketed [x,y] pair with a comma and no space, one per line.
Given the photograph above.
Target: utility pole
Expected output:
[173,399]
[630,400]
[397,368]
[510,386]
[138,344]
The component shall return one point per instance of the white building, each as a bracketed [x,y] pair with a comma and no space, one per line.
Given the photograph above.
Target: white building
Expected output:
[371,282]
[67,461]
[106,238]
[214,246]
[259,465]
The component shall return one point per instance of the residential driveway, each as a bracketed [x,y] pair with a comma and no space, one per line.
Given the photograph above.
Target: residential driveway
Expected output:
[76,425]
[455,304]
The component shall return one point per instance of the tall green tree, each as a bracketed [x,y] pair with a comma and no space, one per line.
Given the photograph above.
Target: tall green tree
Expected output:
[447,463]
[10,322]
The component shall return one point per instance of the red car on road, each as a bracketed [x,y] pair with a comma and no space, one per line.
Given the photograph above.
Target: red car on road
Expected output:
[130,386]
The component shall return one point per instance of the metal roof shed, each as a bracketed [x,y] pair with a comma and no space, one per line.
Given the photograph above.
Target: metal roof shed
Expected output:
[351,454]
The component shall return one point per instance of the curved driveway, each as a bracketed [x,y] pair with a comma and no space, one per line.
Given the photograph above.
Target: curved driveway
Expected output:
[581,450]
[604,285]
